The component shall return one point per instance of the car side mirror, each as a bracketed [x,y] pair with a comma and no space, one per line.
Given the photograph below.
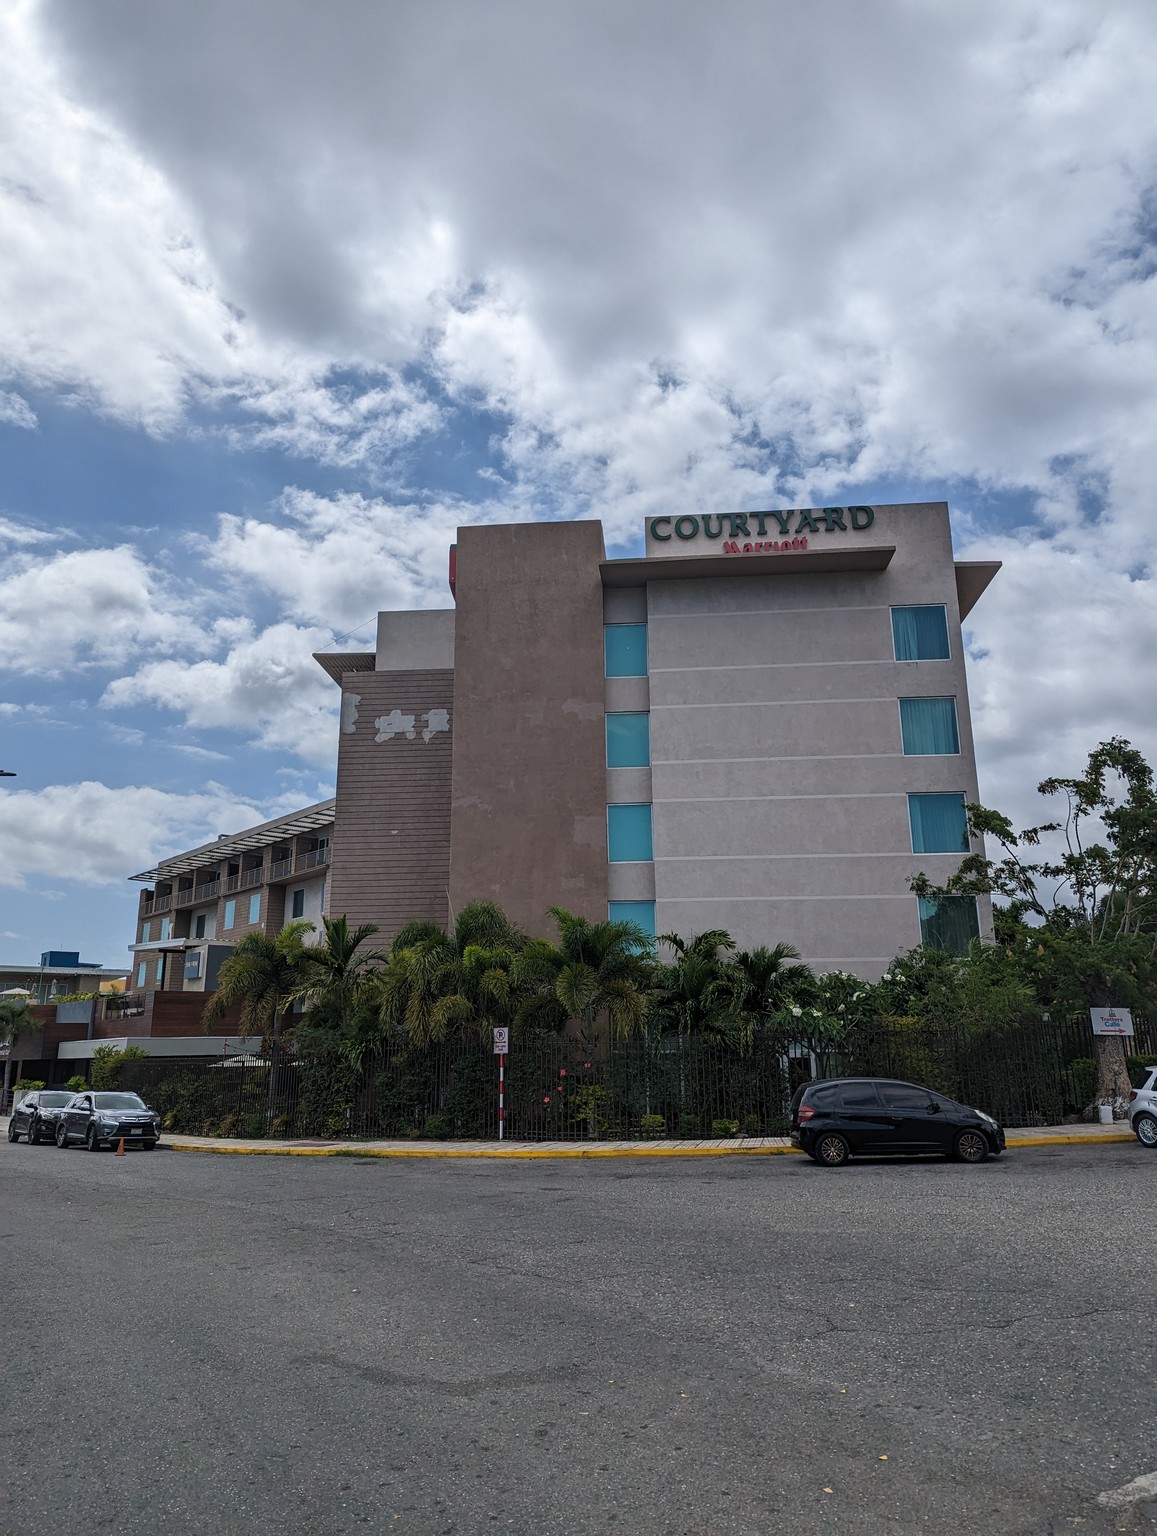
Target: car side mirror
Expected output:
[934,1109]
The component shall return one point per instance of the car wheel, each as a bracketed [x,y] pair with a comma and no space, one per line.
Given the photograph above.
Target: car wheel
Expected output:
[61,1134]
[33,1133]
[832,1150]
[970,1147]
[91,1139]
[1145,1129]
[13,1133]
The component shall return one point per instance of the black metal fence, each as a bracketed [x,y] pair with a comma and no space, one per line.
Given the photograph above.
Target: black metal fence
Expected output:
[1032,1073]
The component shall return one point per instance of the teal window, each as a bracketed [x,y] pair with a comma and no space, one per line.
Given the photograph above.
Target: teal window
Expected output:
[920,633]
[628,833]
[166,928]
[297,904]
[160,970]
[146,933]
[255,907]
[142,972]
[625,647]
[629,740]
[640,912]
[230,916]
[950,923]
[928,727]
[939,823]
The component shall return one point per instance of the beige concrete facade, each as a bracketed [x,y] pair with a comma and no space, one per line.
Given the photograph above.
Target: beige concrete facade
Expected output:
[774,785]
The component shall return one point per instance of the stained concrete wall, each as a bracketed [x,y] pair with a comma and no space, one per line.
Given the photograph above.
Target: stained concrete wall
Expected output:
[779,784]
[529,791]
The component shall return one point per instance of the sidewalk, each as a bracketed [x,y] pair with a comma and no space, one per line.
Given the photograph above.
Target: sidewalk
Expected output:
[738,1146]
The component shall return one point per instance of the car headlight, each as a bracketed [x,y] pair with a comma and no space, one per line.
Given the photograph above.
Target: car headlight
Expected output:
[988,1120]
[108,1125]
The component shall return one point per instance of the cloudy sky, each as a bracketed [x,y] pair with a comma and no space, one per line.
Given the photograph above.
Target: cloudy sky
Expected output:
[289,291]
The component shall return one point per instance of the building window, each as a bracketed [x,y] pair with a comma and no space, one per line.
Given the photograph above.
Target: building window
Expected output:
[950,923]
[626,649]
[640,912]
[199,926]
[629,834]
[321,898]
[160,970]
[297,904]
[193,965]
[255,907]
[939,823]
[146,933]
[142,972]
[230,916]
[166,928]
[921,633]
[629,741]
[928,727]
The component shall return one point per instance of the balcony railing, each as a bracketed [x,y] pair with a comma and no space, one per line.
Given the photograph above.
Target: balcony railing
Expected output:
[184,897]
[252,876]
[207,892]
[231,883]
[158,904]
[281,868]
[312,860]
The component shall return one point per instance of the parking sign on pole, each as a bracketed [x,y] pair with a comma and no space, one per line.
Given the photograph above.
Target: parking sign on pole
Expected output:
[501,1046]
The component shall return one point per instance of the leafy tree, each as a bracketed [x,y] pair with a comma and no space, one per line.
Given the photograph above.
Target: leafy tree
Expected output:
[17,1022]
[437,984]
[595,969]
[1094,941]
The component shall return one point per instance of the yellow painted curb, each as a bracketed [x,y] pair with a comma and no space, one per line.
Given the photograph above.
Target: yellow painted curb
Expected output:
[1071,1141]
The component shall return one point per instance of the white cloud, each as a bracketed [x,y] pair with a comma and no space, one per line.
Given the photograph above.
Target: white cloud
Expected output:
[338,560]
[268,687]
[1063,645]
[93,834]
[93,606]
[16,412]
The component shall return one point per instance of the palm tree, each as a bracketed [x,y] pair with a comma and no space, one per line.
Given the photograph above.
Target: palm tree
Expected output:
[691,992]
[333,981]
[761,986]
[596,968]
[16,1021]
[437,984]
[261,975]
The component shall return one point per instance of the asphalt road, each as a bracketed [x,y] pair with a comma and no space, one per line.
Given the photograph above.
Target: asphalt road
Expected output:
[198,1344]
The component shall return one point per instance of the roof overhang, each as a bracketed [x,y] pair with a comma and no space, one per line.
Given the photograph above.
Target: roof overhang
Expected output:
[311,819]
[637,572]
[337,663]
[972,579]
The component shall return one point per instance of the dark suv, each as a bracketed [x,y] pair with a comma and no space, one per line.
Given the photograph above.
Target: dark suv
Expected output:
[876,1115]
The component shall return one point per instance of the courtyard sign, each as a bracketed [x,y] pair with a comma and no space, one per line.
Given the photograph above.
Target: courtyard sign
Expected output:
[784,530]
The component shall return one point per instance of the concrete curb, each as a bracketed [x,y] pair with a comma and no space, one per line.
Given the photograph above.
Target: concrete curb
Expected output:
[722,1149]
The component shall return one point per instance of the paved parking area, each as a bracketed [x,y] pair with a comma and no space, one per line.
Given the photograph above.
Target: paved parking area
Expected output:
[750,1345]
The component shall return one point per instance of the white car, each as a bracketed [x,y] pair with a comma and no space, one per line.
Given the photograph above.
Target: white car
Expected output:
[1143,1109]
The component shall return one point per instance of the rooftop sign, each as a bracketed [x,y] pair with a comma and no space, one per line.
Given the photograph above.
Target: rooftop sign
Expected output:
[735,533]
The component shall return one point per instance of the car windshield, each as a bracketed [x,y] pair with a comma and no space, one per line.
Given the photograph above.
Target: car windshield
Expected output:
[118,1101]
[54,1100]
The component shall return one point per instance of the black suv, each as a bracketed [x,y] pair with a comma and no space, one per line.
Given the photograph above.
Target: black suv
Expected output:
[875,1115]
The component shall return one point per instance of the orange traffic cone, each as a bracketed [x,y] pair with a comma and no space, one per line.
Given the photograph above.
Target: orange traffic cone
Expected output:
[121,1147]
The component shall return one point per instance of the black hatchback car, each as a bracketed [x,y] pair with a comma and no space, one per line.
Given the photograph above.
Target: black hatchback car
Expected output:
[36,1114]
[874,1115]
